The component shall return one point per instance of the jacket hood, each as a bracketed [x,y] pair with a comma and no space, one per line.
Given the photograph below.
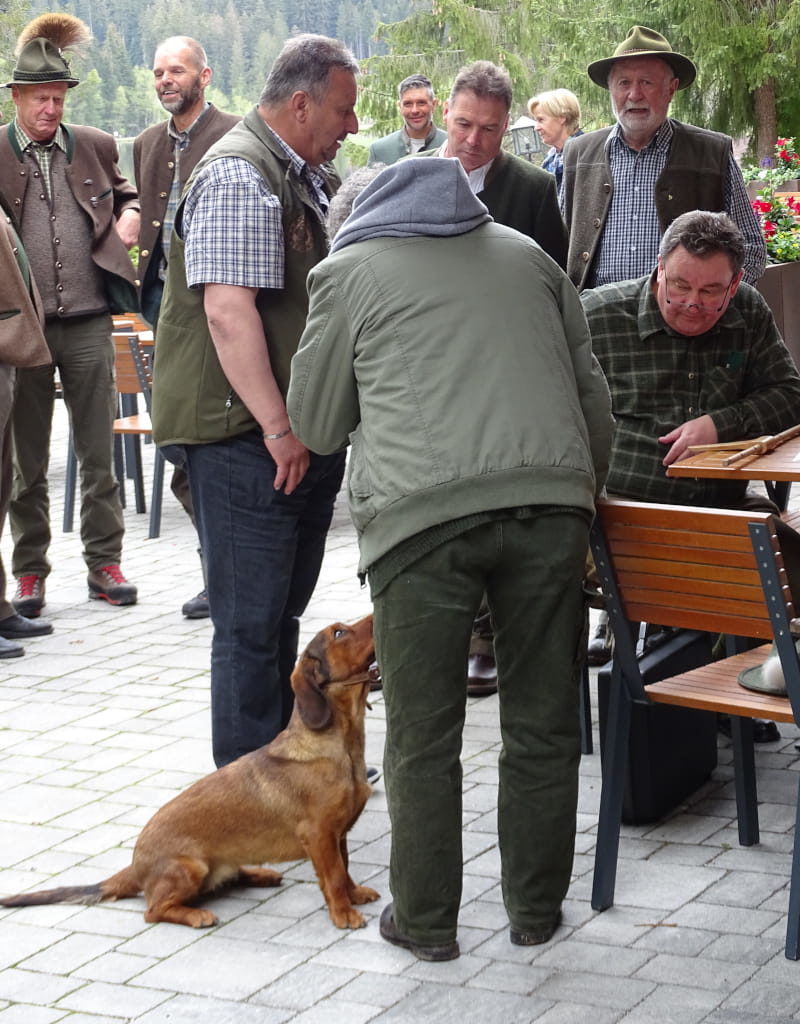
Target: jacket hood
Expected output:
[415,196]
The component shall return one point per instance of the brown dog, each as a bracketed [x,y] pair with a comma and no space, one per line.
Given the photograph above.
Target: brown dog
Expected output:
[296,797]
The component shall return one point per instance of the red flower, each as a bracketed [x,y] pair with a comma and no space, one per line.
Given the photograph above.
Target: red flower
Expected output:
[769,228]
[762,206]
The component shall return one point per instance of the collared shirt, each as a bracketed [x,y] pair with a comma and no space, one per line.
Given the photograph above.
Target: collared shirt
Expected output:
[739,373]
[476,177]
[632,232]
[233,224]
[42,152]
[415,145]
[554,160]
[181,142]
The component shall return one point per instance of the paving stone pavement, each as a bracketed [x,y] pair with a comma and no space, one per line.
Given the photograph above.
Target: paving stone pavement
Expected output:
[106,719]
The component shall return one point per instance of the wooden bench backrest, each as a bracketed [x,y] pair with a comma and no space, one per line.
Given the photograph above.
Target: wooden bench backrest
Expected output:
[689,568]
[130,322]
[125,368]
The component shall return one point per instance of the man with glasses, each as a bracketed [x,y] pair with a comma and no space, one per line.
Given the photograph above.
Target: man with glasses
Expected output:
[692,356]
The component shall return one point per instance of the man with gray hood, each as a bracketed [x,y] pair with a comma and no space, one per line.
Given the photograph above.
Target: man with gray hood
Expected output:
[481,426]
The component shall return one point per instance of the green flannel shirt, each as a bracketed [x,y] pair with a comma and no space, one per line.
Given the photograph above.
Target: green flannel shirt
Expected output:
[740,373]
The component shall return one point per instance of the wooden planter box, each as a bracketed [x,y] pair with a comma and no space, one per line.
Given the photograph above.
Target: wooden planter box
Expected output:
[780,286]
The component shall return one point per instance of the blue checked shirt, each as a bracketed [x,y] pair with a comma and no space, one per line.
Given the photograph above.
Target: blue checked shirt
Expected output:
[232,224]
[631,236]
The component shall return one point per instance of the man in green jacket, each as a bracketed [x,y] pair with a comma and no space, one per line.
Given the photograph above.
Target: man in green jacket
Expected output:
[471,472]
[417,104]
[517,194]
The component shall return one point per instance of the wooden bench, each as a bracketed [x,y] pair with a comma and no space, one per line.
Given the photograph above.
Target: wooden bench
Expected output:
[700,569]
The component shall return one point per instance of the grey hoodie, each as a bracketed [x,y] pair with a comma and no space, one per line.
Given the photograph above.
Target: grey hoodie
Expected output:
[414,197]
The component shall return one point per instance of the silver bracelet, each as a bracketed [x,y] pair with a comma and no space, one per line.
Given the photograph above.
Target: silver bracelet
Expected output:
[276,437]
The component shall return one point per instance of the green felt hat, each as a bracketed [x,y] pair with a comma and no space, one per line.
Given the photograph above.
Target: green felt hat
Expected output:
[40,62]
[644,42]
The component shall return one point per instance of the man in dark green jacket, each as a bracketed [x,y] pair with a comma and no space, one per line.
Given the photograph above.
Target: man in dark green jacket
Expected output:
[516,194]
[472,471]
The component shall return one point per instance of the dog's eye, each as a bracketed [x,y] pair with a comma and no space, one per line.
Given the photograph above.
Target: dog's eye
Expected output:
[339,633]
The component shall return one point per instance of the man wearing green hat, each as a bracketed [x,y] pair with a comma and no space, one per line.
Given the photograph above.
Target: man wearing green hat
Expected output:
[78,216]
[624,185]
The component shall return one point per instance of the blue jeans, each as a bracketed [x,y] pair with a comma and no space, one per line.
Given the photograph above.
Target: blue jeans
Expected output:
[263,552]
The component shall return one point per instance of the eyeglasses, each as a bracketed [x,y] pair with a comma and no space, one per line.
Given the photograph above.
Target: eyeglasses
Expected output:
[680,290]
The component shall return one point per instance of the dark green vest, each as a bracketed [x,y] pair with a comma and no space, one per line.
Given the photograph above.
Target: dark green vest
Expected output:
[693,179]
[193,401]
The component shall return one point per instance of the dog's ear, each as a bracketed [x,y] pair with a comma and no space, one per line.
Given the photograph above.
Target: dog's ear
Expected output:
[309,675]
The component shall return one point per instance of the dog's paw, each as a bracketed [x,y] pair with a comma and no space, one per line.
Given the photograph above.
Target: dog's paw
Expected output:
[348,918]
[363,894]
[202,918]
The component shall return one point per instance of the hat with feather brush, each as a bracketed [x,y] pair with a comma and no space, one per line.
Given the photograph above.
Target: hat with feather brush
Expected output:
[41,46]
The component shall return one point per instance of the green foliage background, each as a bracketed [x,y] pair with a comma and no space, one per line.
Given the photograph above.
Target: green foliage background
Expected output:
[241,39]
[747,52]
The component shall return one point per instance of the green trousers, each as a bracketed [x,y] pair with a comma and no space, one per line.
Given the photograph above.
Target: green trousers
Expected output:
[531,571]
[83,352]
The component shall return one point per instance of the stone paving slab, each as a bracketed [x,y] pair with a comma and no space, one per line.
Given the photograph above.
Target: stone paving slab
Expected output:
[106,719]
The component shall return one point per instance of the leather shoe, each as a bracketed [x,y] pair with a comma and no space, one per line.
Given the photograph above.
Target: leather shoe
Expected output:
[8,649]
[534,936]
[196,607]
[481,675]
[109,584]
[764,729]
[388,930]
[598,650]
[29,597]
[16,627]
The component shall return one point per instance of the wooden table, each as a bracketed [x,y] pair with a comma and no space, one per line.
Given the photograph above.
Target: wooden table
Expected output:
[783,464]
[778,469]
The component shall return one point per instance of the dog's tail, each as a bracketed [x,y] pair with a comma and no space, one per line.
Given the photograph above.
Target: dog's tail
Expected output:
[119,886]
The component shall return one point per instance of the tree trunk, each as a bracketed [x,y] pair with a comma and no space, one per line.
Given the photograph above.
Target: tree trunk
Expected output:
[766,119]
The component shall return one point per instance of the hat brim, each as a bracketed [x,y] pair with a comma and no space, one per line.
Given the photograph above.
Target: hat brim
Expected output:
[684,69]
[47,80]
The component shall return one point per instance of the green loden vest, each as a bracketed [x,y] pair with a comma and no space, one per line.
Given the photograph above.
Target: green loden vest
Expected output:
[193,401]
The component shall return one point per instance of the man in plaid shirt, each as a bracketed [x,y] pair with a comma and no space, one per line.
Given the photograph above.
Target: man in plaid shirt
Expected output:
[623,185]
[249,229]
[692,356]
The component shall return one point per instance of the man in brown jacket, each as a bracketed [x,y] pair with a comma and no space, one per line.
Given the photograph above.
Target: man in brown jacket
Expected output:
[21,344]
[164,157]
[78,216]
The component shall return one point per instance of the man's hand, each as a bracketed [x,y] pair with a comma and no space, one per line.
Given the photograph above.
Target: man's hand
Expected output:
[291,461]
[699,431]
[128,227]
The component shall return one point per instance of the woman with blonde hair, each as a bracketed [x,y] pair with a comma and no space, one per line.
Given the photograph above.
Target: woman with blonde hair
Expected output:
[556,116]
